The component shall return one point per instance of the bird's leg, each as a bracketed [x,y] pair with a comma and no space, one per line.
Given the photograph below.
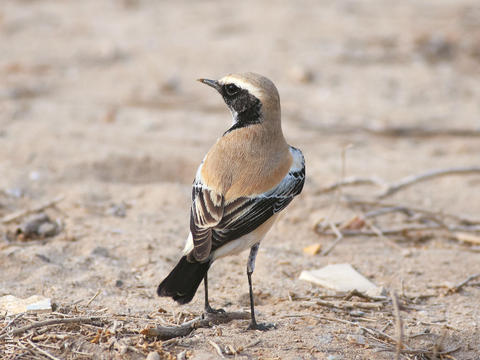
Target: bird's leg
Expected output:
[250,267]
[208,308]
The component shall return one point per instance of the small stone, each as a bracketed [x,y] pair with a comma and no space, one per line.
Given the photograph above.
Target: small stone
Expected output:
[118,210]
[32,223]
[312,249]
[334,357]
[407,253]
[101,251]
[38,225]
[357,313]
[47,229]
[153,356]
[119,283]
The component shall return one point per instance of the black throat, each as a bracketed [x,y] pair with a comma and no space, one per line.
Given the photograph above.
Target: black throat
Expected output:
[250,111]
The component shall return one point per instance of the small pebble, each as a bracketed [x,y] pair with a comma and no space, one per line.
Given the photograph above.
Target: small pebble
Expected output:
[118,210]
[153,356]
[101,251]
[334,357]
[38,225]
[47,229]
[357,313]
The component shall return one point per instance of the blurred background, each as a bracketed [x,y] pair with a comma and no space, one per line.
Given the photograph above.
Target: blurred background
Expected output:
[99,105]
[121,73]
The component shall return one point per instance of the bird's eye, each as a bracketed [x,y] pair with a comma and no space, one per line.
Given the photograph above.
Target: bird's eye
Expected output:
[231,89]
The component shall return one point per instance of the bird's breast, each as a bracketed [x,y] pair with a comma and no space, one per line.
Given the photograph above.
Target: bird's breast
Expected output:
[239,166]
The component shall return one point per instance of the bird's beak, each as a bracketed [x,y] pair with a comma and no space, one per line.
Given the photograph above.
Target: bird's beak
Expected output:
[213,83]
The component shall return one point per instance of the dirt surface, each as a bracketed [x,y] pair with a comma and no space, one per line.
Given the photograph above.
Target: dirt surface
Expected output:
[99,104]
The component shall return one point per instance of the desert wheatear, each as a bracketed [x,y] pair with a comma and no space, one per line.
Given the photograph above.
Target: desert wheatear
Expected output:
[244,181]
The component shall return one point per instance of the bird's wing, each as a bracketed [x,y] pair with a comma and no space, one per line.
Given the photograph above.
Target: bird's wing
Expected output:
[245,214]
[206,213]
[213,223]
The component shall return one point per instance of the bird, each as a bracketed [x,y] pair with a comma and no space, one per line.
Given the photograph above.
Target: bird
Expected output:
[245,180]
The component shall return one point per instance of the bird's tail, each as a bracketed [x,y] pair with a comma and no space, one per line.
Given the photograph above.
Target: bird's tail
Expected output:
[183,281]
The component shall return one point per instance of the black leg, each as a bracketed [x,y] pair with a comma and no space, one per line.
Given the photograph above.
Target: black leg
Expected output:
[250,267]
[208,308]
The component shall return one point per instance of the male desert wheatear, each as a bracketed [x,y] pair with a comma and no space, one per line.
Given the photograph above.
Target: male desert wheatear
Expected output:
[244,181]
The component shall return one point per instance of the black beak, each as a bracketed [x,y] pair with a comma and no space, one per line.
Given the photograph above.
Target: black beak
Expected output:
[213,83]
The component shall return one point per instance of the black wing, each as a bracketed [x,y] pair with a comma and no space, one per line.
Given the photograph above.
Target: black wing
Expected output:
[213,223]
[245,214]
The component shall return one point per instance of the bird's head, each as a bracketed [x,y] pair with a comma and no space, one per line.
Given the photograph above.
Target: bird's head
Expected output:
[251,98]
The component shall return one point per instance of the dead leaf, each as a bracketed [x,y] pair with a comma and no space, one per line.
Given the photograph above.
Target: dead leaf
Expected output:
[312,249]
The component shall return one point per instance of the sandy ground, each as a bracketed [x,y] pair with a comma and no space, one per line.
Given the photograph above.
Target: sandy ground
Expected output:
[98,103]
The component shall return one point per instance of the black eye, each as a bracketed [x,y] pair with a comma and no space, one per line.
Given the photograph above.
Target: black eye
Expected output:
[231,89]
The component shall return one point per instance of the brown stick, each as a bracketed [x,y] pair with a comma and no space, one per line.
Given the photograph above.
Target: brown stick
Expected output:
[352,181]
[389,207]
[402,230]
[335,242]
[457,287]
[398,325]
[355,292]
[414,179]
[390,189]
[16,215]
[43,352]
[38,324]
[217,348]
[169,332]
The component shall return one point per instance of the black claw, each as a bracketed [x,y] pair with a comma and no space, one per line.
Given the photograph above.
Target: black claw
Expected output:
[261,327]
[210,310]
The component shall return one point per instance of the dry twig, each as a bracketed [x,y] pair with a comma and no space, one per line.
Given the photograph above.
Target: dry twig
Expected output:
[359,294]
[398,325]
[380,336]
[78,320]
[43,352]
[335,242]
[16,215]
[217,348]
[386,208]
[169,332]
[352,181]
[402,230]
[414,179]
[93,298]
[460,285]
[390,189]
[10,323]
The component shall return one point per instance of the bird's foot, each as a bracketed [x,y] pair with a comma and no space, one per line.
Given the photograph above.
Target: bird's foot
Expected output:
[262,327]
[210,310]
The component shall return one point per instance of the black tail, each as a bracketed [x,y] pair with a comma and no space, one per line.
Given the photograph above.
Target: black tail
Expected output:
[183,281]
